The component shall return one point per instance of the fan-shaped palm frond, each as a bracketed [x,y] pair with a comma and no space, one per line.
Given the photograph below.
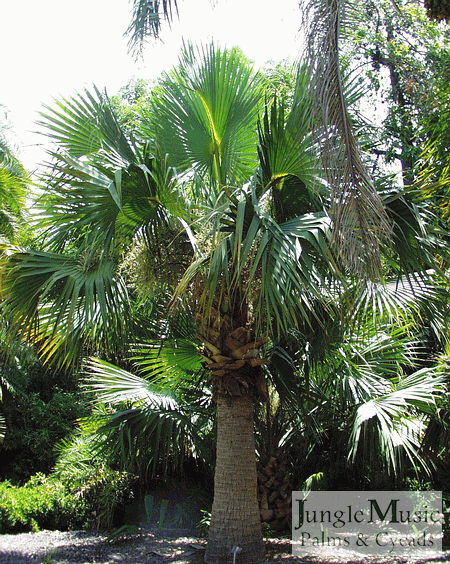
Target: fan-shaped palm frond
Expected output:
[101,179]
[112,385]
[167,362]
[285,255]
[148,428]
[396,424]
[278,133]
[287,160]
[411,301]
[205,113]
[76,459]
[85,124]
[356,366]
[102,192]
[56,299]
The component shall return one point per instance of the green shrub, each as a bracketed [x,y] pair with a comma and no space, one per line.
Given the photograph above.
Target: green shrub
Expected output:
[83,491]
[40,504]
[83,468]
[36,425]
[102,495]
[48,503]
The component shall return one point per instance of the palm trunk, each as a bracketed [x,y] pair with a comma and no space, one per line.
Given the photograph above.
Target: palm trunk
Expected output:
[235,518]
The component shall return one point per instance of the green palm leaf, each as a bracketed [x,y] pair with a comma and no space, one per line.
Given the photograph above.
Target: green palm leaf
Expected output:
[146,21]
[205,114]
[54,297]
[405,300]
[286,155]
[85,125]
[112,385]
[167,363]
[102,188]
[396,424]
[154,429]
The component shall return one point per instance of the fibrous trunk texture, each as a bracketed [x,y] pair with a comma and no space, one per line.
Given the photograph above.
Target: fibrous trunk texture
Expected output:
[235,532]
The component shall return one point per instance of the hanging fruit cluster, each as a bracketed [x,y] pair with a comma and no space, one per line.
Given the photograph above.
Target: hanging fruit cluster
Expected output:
[438,10]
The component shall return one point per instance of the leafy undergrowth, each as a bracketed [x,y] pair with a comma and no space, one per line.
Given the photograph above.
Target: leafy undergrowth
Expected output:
[47,503]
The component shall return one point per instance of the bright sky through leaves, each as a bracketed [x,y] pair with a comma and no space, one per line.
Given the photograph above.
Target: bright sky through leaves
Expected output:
[52,48]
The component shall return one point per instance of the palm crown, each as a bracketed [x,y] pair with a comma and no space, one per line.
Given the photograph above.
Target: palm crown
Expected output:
[197,170]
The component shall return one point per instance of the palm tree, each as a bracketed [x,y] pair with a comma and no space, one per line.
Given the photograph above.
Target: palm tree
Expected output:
[356,407]
[235,199]
[226,190]
[246,195]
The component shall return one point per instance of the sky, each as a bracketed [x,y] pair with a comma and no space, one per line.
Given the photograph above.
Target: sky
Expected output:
[52,48]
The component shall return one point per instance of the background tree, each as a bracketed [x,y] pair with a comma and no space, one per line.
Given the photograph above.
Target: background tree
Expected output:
[130,100]
[41,407]
[13,189]
[14,184]
[433,165]
[402,54]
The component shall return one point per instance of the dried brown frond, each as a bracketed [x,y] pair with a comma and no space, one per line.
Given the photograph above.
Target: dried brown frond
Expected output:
[360,220]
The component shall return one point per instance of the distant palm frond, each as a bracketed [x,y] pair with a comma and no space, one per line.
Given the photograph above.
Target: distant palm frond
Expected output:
[146,22]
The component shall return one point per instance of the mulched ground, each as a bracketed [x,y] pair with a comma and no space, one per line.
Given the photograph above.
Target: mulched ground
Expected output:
[153,547]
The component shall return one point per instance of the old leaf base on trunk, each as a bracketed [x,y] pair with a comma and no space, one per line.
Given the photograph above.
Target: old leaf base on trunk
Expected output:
[235,519]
